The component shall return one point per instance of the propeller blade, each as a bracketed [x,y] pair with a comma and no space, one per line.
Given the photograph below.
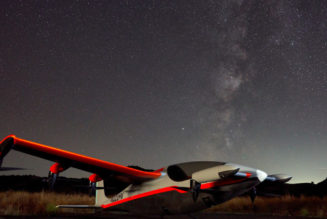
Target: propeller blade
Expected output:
[11,168]
[52,177]
[253,194]
[92,188]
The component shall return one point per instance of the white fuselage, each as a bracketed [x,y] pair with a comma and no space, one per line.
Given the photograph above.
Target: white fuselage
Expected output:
[167,196]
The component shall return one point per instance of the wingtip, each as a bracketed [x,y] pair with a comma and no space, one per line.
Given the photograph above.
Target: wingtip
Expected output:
[5,146]
[9,136]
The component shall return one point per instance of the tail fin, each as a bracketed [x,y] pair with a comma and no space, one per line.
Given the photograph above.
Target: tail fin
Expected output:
[100,196]
[282,178]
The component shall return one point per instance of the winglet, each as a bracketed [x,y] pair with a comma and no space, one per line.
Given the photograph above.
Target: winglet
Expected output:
[5,146]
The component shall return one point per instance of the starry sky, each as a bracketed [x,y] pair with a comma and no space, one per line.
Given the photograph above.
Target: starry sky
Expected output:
[152,83]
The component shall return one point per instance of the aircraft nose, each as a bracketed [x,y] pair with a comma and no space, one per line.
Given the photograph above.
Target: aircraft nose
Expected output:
[261,175]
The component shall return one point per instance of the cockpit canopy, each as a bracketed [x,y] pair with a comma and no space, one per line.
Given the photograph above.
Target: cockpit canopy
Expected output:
[184,171]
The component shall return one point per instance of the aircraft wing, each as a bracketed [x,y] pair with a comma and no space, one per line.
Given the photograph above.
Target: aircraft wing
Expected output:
[68,159]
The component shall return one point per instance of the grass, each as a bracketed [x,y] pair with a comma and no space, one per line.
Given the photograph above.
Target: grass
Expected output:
[39,203]
[44,203]
[284,205]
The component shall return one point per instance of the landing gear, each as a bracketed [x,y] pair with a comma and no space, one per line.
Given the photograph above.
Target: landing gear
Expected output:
[195,188]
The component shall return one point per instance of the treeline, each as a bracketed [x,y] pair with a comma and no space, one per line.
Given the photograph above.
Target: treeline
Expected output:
[298,189]
[33,183]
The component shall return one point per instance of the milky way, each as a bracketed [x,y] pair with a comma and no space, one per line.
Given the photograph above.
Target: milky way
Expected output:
[154,82]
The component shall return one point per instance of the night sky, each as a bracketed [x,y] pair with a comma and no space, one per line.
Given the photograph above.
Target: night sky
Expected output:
[152,83]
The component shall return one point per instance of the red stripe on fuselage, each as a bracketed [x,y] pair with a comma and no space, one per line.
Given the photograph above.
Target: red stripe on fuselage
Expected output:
[154,192]
[174,188]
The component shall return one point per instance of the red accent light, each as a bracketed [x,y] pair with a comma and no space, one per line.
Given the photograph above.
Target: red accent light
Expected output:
[56,168]
[159,170]
[9,136]
[95,178]
[154,192]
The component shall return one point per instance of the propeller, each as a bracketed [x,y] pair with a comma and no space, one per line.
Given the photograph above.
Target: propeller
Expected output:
[7,168]
[221,172]
[52,177]
[55,169]
[93,179]
[195,189]
[11,168]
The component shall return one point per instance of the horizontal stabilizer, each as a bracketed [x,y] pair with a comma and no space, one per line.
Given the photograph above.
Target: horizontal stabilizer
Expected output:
[11,168]
[87,186]
[78,206]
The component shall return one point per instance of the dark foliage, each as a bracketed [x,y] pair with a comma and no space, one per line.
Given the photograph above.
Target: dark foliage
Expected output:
[72,185]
